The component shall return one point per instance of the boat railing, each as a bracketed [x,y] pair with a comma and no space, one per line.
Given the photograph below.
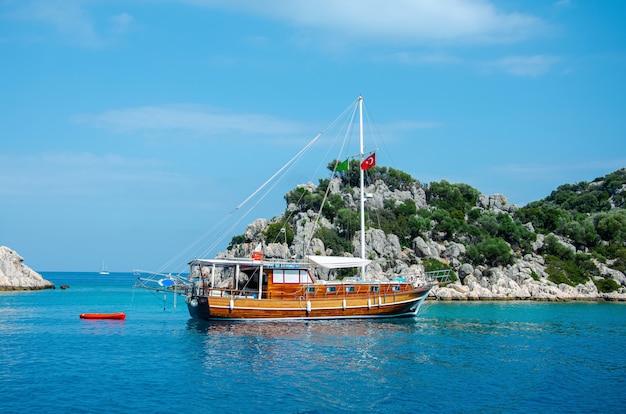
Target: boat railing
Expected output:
[162,282]
[361,290]
[231,293]
[246,261]
[438,277]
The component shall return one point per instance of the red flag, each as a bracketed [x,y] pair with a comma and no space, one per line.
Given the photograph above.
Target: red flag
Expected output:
[369,162]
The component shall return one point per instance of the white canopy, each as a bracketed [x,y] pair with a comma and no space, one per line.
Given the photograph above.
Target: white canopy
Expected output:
[337,262]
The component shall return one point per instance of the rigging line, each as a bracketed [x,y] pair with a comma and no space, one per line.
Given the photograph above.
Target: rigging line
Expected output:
[285,223]
[283,169]
[303,150]
[250,277]
[132,300]
[319,214]
[284,172]
[373,126]
[349,128]
[290,162]
[244,215]
[343,144]
[333,126]
[192,245]
[295,158]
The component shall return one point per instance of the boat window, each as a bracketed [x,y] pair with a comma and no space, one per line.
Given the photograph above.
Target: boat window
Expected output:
[349,289]
[291,276]
[310,289]
[304,277]
[331,289]
[375,288]
[395,288]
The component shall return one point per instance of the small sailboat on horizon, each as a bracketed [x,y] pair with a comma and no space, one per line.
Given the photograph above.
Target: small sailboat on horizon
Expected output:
[103,269]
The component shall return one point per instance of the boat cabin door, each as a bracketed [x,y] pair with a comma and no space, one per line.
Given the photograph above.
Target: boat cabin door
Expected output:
[254,282]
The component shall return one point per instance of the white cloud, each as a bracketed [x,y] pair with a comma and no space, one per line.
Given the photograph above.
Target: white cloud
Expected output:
[121,23]
[528,66]
[71,20]
[194,118]
[215,123]
[408,21]
[410,58]
[66,17]
[61,174]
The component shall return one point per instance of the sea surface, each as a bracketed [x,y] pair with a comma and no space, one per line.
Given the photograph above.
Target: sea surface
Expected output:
[487,357]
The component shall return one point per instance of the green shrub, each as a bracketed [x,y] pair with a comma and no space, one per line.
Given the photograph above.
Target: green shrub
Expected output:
[606,285]
[551,246]
[431,265]
[279,232]
[332,240]
[491,251]
[451,196]
[577,270]
[348,222]
[613,252]
[236,240]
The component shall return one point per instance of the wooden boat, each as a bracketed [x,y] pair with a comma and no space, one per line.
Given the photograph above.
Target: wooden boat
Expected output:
[255,287]
[289,291]
[116,315]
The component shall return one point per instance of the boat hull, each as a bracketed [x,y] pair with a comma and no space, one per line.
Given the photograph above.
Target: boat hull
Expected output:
[116,315]
[241,308]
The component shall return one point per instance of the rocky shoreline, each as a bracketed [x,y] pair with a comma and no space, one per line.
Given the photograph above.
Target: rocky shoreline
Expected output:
[526,279]
[15,275]
[614,297]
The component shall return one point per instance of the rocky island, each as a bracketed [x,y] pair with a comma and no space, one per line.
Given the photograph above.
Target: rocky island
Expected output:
[569,246]
[15,275]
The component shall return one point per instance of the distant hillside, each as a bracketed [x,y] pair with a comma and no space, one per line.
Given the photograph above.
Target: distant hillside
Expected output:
[589,215]
[575,238]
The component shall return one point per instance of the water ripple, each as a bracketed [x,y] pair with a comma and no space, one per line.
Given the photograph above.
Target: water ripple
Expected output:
[469,357]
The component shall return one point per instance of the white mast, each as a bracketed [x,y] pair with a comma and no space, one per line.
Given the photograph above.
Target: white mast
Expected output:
[361,182]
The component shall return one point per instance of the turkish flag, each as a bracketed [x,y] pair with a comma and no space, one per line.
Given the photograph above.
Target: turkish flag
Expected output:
[369,162]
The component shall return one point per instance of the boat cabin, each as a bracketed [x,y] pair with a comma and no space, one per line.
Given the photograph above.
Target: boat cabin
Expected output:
[281,279]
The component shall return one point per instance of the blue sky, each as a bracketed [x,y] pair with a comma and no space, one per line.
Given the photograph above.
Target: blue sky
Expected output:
[130,128]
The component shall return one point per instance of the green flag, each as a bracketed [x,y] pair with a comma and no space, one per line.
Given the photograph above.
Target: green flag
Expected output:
[342,166]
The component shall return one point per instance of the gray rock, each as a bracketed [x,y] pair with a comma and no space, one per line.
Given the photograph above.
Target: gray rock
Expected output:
[427,249]
[453,251]
[421,248]
[525,279]
[277,251]
[465,270]
[378,192]
[15,275]
[255,229]
[616,275]
[495,202]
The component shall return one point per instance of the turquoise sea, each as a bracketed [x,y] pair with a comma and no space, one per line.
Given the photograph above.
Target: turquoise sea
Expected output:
[488,357]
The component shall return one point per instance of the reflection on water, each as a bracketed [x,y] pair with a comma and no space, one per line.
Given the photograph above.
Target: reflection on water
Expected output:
[273,329]
[354,346]
[313,363]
